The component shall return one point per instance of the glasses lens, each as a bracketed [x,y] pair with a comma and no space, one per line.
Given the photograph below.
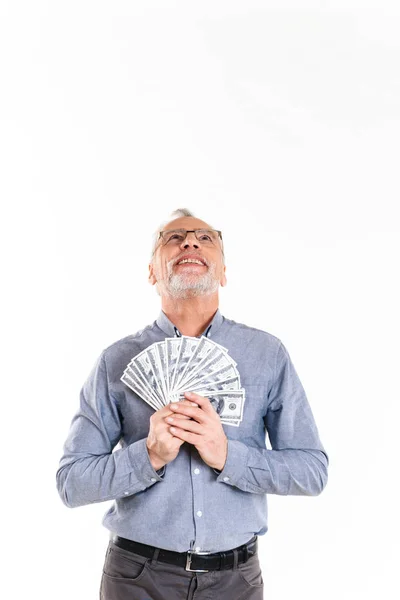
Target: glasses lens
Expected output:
[174,235]
[207,236]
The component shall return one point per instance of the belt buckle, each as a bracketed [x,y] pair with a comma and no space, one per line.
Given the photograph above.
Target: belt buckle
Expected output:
[189,562]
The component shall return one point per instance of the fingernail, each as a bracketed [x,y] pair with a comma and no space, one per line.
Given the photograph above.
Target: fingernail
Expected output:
[172,429]
[174,406]
[170,419]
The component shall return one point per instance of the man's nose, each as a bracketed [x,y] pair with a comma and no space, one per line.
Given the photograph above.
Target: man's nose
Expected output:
[190,241]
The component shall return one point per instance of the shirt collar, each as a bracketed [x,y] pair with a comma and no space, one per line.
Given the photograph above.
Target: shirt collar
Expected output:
[169,328]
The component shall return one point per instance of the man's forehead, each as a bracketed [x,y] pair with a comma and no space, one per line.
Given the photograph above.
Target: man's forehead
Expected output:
[187,223]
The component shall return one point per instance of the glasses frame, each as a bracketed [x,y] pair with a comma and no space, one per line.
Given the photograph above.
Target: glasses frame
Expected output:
[160,235]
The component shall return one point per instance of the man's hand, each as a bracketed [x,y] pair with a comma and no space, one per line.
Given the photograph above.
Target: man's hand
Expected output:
[162,446]
[204,431]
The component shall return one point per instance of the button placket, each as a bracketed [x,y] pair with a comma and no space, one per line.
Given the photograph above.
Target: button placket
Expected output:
[198,474]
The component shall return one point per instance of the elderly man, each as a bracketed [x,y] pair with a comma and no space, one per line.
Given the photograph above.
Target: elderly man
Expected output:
[189,489]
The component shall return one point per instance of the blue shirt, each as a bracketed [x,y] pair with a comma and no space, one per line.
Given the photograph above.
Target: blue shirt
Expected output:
[187,501]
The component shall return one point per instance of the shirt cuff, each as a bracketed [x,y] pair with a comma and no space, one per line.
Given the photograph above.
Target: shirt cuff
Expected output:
[236,463]
[140,461]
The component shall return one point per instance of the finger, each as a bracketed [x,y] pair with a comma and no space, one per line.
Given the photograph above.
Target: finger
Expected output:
[186,436]
[184,403]
[187,425]
[188,403]
[203,402]
[196,413]
[165,410]
[178,416]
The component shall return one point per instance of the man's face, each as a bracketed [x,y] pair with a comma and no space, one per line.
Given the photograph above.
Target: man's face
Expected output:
[187,279]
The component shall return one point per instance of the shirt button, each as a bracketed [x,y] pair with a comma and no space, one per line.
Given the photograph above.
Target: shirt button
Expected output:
[197,549]
[199,513]
[126,493]
[196,471]
[153,479]
[226,478]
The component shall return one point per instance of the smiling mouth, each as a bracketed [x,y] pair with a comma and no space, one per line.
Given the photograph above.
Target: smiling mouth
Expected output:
[190,261]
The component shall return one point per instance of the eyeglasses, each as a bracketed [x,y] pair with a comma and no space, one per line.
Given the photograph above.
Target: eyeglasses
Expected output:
[207,237]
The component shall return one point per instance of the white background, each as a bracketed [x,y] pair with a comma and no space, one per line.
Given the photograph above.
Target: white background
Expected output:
[277,122]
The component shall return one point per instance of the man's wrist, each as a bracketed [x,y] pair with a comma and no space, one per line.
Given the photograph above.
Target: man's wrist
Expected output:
[155,461]
[220,466]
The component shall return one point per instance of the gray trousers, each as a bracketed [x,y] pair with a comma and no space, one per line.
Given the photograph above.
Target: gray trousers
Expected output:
[129,576]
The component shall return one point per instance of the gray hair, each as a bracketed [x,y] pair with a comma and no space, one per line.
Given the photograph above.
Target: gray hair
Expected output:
[176,214]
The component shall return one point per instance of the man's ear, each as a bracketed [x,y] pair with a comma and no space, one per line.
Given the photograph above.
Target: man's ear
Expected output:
[223,280]
[152,277]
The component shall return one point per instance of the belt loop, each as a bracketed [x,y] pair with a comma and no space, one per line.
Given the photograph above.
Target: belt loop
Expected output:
[245,553]
[222,560]
[155,556]
[235,559]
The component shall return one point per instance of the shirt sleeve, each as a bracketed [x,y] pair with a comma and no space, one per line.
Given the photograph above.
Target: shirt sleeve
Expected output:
[89,470]
[297,463]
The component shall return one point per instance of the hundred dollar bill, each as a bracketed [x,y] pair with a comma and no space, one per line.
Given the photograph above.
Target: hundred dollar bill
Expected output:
[204,353]
[172,351]
[228,405]
[233,405]
[215,363]
[187,348]
[144,362]
[134,370]
[135,386]
[154,359]
[161,349]
[209,379]
[228,385]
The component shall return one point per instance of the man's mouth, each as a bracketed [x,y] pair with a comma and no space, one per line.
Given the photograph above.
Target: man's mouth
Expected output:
[193,261]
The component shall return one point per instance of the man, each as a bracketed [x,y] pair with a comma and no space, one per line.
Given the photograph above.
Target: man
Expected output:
[189,490]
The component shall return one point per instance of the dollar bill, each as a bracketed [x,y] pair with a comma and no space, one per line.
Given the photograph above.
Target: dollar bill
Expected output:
[131,381]
[187,350]
[172,351]
[210,377]
[143,363]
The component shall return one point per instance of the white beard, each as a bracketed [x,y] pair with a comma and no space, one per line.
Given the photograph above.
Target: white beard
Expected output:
[188,285]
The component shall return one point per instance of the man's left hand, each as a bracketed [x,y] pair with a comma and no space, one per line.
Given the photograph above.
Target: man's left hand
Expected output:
[204,431]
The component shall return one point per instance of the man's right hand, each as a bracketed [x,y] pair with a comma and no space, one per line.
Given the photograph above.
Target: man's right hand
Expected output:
[162,446]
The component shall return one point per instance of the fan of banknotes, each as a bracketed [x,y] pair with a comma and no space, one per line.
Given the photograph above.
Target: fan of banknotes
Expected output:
[161,374]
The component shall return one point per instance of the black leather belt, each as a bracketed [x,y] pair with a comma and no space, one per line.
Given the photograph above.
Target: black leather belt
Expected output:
[191,561]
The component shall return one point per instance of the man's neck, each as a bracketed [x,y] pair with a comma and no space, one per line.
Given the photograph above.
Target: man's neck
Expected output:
[190,316]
